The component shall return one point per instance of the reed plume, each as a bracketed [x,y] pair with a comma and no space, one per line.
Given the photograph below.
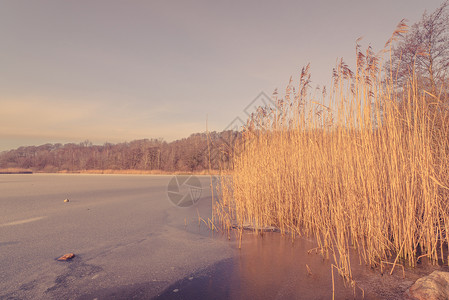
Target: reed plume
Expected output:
[364,166]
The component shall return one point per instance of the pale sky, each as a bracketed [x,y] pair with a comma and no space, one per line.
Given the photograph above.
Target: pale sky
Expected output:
[115,71]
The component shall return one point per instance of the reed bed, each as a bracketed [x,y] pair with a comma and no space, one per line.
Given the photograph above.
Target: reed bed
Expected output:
[365,167]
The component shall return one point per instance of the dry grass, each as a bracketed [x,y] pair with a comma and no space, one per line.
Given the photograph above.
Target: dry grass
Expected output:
[358,168]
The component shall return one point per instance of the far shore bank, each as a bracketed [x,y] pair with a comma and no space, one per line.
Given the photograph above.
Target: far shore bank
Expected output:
[110,171]
[15,171]
[21,172]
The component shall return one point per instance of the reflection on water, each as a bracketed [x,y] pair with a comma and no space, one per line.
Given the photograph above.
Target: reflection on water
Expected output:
[272,267]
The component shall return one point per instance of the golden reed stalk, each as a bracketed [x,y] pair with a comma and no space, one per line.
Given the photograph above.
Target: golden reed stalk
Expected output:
[366,166]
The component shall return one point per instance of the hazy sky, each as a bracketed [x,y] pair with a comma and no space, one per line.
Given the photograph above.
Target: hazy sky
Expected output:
[122,70]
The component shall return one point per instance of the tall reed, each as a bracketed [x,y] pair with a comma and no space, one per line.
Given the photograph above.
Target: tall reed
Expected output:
[366,166]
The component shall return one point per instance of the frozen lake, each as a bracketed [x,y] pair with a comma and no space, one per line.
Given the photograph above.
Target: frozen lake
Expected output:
[132,242]
[123,229]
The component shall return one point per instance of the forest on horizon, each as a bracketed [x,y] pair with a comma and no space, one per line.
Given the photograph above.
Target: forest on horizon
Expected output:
[191,154]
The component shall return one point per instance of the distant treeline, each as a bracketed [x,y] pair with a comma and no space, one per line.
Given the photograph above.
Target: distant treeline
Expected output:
[189,154]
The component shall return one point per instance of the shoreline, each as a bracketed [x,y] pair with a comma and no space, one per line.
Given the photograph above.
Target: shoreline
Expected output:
[10,172]
[111,172]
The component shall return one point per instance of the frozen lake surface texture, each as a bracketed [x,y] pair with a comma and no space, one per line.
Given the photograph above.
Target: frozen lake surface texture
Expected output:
[123,230]
[132,242]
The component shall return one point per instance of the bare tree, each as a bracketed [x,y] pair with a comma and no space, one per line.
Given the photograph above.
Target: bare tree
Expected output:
[423,53]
